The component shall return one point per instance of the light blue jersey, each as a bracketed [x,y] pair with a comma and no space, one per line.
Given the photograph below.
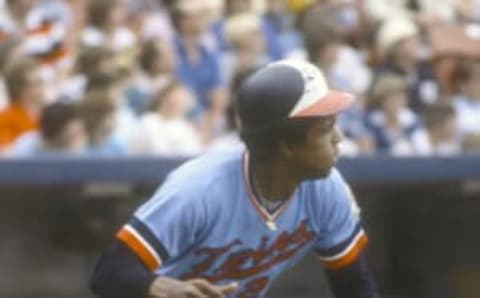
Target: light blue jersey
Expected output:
[204,222]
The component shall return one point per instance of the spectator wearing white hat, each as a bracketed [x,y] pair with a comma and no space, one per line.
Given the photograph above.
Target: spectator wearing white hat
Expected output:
[399,44]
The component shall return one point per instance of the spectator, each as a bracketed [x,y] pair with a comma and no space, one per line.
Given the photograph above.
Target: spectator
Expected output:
[43,36]
[271,39]
[138,14]
[116,84]
[441,125]
[247,47]
[10,50]
[90,61]
[398,42]
[156,69]
[467,100]
[98,112]
[344,66]
[394,127]
[157,24]
[165,130]
[381,10]
[62,133]
[198,66]
[25,89]
[278,26]
[106,28]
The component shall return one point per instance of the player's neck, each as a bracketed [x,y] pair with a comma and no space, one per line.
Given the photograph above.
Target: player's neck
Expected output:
[273,181]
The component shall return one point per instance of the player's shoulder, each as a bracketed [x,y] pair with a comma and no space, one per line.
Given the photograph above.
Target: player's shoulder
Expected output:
[328,184]
[209,172]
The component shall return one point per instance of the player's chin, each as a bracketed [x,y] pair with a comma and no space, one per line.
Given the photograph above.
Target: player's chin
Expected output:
[321,172]
[325,170]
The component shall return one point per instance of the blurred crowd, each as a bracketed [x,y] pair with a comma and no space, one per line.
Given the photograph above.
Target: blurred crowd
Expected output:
[153,77]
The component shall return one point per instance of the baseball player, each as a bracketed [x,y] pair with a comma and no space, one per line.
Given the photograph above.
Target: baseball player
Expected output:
[225,225]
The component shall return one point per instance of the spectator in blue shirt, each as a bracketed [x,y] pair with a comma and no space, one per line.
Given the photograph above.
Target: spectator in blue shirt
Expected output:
[198,66]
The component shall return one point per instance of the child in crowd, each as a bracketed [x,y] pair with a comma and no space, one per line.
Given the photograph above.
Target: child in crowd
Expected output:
[441,125]
[467,100]
[394,127]
[165,130]
[116,83]
[98,112]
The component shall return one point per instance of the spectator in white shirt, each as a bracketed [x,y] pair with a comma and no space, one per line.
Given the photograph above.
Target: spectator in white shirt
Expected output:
[165,129]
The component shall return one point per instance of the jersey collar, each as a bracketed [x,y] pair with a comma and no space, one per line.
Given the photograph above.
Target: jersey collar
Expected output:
[267,217]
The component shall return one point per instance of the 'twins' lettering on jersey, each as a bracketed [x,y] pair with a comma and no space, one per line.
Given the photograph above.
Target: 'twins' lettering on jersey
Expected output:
[247,262]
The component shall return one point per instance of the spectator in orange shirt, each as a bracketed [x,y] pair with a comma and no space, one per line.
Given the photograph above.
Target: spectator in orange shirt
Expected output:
[26,90]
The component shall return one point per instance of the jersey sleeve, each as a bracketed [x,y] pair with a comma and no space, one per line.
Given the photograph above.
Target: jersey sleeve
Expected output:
[164,227]
[341,237]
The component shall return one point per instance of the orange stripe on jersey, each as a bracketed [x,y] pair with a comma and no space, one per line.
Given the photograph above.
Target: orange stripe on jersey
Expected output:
[138,248]
[349,257]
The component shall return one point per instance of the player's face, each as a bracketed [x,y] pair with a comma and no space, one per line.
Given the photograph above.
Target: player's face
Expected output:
[318,154]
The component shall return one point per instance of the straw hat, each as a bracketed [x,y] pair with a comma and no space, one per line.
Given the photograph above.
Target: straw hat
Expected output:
[393,31]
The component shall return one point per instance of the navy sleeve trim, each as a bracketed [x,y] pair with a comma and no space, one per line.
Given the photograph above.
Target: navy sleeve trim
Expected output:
[339,248]
[149,237]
